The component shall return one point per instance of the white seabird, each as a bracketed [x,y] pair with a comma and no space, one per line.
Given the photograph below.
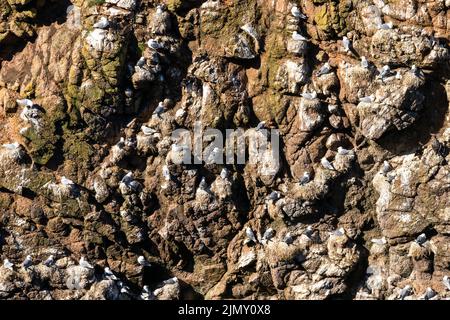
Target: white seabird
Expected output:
[305,178]
[298,37]
[364,62]
[103,23]
[343,151]
[288,239]
[27,262]
[25,103]
[203,185]
[108,274]
[380,241]
[295,11]
[385,71]
[170,281]
[67,182]
[309,96]
[274,195]
[84,263]
[250,235]
[368,99]
[406,291]
[429,294]
[153,44]
[166,173]
[224,173]
[386,167]
[268,234]
[326,164]
[260,125]
[7,264]
[385,26]
[325,69]
[309,231]
[446,282]
[143,262]
[346,43]
[421,239]
[147,130]
[141,62]
[49,261]
[160,109]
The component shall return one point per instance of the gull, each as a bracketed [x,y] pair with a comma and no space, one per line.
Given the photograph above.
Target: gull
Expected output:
[325,69]
[147,130]
[84,264]
[268,234]
[27,262]
[446,282]
[429,294]
[364,62]
[103,23]
[50,261]
[288,239]
[7,264]
[141,62]
[421,239]
[385,71]
[159,110]
[346,43]
[180,113]
[203,185]
[309,96]
[166,173]
[305,178]
[298,37]
[108,274]
[213,156]
[326,164]
[153,44]
[129,182]
[309,231]
[332,108]
[123,288]
[379,241]
[297,13]
[224,173]
[141,260]
[11,146]
[343,151]
[146,293]
[414,70]
[250,235]
[66,182]
[406,291]
[170,281]
[25,103]
[368,99]
[15,148]
[385,26]
[398,75]
[250,30]
[386,167]
[339,232]
[274,195]
[260,125]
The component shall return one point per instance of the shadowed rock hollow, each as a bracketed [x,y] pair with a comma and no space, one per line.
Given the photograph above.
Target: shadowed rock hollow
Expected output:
[93,204]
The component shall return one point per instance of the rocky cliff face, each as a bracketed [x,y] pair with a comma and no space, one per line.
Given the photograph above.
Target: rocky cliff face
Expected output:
[93,204]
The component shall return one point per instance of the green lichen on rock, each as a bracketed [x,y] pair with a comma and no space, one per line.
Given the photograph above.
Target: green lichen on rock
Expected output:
[331,16]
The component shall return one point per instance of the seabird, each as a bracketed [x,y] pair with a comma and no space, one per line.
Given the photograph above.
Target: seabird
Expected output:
[50,261]
[406,291]
[268,234]
[429,294]
[385,71]
[332,108]
[147,130]
[166,172]
[398,75]
[153,44]
[141,260]
[380,241]
[288,239]
[325,69]
[309,96]
[386,167]
[343,151]
[66,182]
[170,281]
[25,103]
[385,26]
[297,13]
[364,62]
[224,173]
[84,264]
[446,282]
[250,235]
[305,178]
[108,274]
[8,265]
[368,99]
[123,288]
[180,113]
[159,110]
[11,146]
[326,164]
[27,262]
[414,69]
[339,232]
[298,37]
[346,43]
[421,239]
[274,195]
[203,185]
[260,125]
[309,231]
[103,23]
[141,62]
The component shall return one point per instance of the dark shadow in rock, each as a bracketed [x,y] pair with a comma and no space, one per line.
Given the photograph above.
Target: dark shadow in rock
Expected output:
[429,122]
[54,11]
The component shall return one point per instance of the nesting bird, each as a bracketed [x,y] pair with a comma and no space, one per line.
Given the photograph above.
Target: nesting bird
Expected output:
[385,71]
[325,69]
[108,274]
[49,261]
[268,234]
[368,99]
[346,44]
[386,167]
[309,96]
[103,23]
[166,173]
[160,109]
[406,291]
[364,62]
[295,11]
[250,235]
[421,239]
[7,264]
[385,26]
[298,37]
[446,282]
[153,44]
[305,178]
[28,262]
[380,241]
[326,164]
[288,239]
[224,173]
[143,262]
[274,195]
[84,263]
[429,294]
[260,126]
[128,184]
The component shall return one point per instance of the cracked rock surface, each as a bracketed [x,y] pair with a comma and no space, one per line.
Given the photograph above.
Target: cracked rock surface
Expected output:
[94,203]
